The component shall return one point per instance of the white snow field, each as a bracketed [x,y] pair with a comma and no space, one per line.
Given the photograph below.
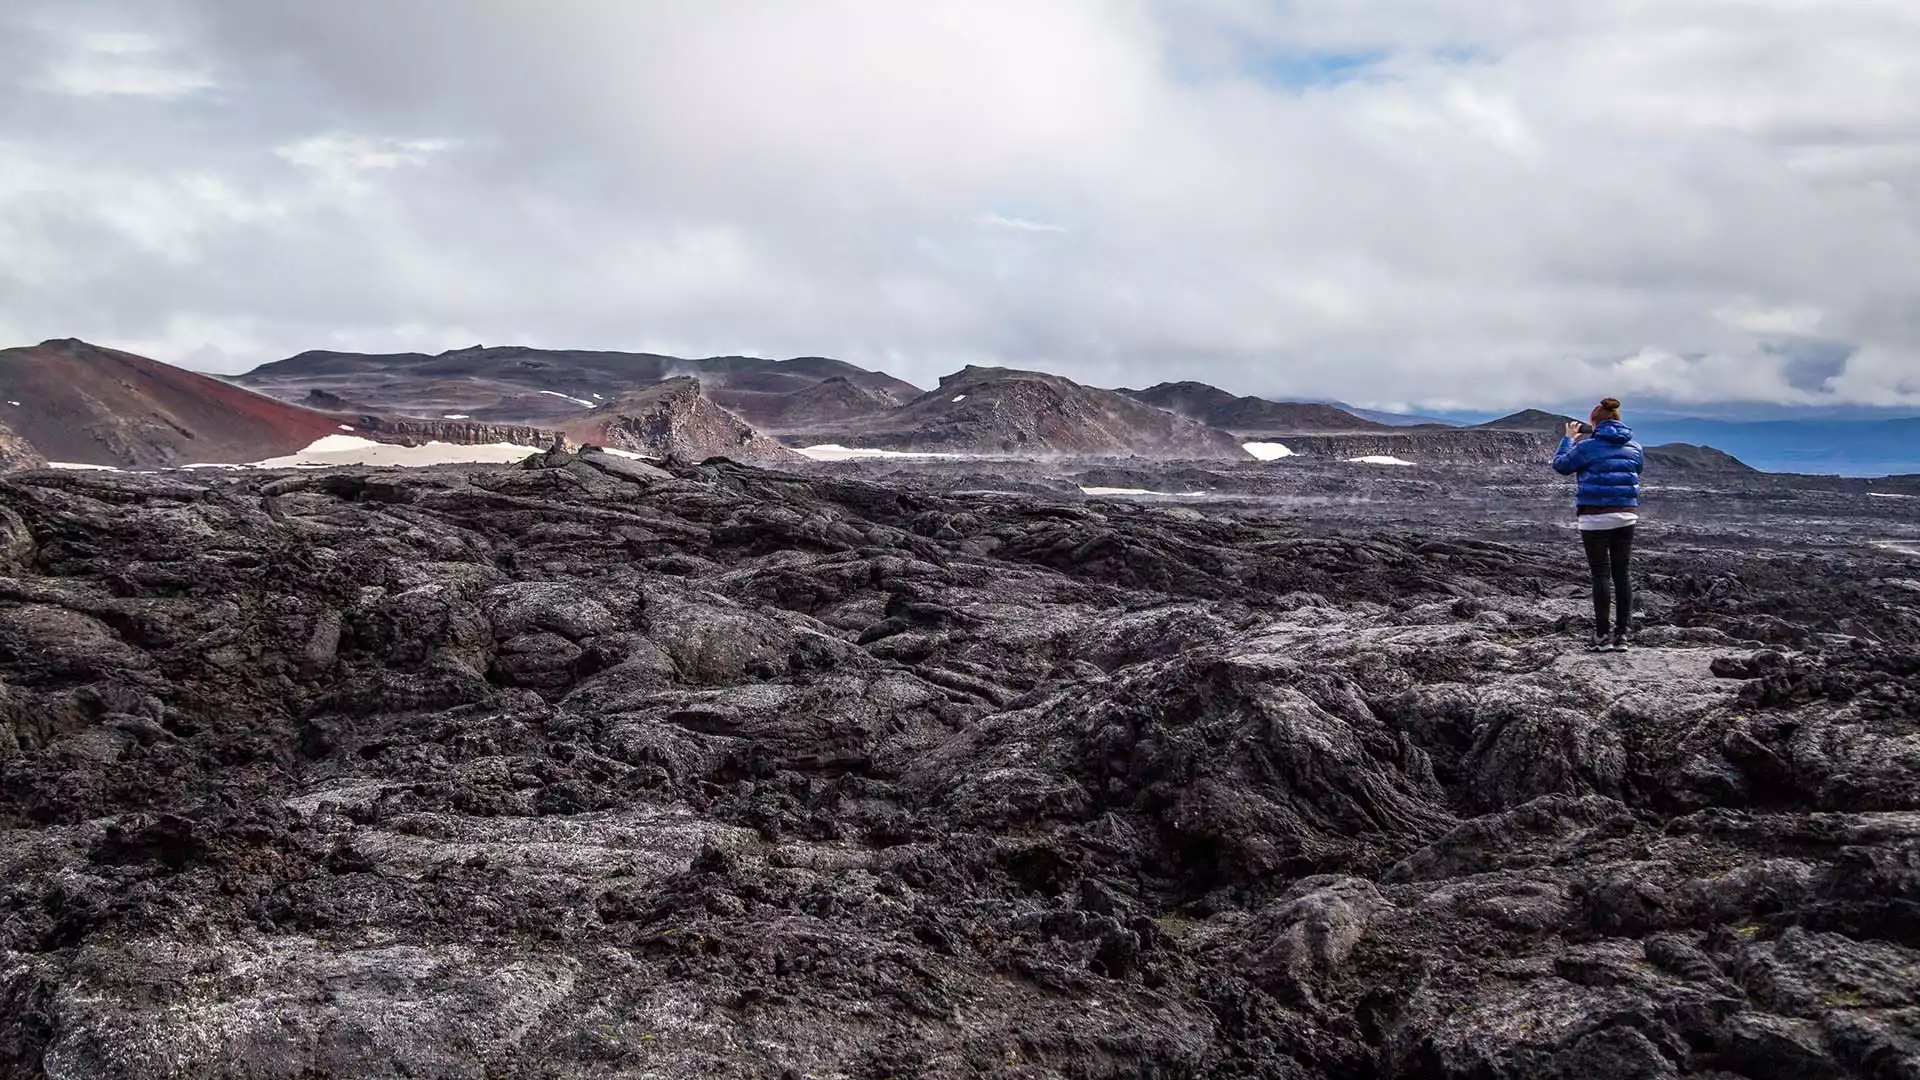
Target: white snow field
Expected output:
[1141,491]
[1379,459]
[355,450]
[1267,451]
[836,452]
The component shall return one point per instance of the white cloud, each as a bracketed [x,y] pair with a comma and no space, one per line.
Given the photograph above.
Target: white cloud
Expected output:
[1746,314]
[1437,203]
[125,65]
[998,221]
[333,153]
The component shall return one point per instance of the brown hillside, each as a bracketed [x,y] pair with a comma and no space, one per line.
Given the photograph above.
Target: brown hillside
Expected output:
[1002,410]
[71,401]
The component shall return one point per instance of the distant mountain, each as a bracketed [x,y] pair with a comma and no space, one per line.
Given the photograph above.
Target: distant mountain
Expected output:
[75,402]
[91,405]
[1685,458]
[1529,420]
[518,385]
[1002,410]
[1248,415]
[831,400]
[673,418]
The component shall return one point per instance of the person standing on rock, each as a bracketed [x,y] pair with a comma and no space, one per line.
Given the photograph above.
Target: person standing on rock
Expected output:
[1608,462]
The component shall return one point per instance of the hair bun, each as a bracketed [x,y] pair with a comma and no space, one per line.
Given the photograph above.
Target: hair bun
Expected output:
[1610,403]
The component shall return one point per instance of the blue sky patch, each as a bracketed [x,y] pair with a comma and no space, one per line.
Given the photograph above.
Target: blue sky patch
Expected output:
[1302,69]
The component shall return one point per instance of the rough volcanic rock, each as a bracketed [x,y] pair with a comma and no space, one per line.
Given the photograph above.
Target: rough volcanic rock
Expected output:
[674,419]
[408,431]
[16,452]
[328,401]
[1431,445]
[590,768]
[1004,411]
[1249,415]
[75,402]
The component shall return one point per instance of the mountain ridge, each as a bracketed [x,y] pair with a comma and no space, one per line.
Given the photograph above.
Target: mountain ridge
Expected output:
[524,384]
[1009,410]
[1246,414]
[746,407]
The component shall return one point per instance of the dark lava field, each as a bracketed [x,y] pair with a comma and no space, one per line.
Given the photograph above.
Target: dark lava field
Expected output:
[589,768]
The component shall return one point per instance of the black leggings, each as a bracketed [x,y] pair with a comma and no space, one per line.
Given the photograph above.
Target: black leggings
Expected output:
[1609,550]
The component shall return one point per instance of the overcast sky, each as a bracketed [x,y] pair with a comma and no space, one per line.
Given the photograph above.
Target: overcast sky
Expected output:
[1440,203]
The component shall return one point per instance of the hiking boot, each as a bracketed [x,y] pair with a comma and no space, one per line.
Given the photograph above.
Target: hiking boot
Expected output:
[1600,643]
[1618,642]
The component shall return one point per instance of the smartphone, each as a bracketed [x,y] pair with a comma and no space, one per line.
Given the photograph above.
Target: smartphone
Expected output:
[1586,428]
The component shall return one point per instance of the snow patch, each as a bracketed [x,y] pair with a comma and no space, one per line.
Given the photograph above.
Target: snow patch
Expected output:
[1379,459]
[327,444]
[629,454]
[836,452]
[455,416]
[1886,495]
[15,404]
[959,398]
[344,427]
[1267,451]
[1084,490]
[81,466]
[354,450]
[568,397]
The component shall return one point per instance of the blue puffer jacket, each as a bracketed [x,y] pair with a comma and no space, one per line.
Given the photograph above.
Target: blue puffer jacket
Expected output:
[1609,465]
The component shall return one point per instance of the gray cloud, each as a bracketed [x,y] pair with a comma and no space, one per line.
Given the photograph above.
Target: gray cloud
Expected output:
[1435,204]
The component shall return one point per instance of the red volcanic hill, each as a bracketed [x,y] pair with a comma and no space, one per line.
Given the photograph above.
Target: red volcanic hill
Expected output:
[71,401]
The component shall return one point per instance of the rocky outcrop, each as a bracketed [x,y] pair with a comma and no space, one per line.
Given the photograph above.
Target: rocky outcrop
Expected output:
[591,768]
[409,431]
[16,452]
[673,419]
[328,401]
[1451,446]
